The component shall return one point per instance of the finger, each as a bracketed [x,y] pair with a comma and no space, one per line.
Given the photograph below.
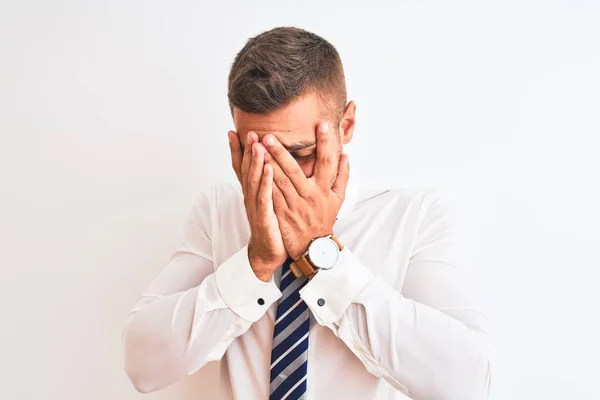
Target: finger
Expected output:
[247,159]
[327,149]
[265,193]
[343,174]
[255,172]
[287,164]
[284,185]
[236,154]
[279,203]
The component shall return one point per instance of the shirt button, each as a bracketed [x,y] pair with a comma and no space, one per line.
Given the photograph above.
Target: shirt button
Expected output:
[261,301]
[321,302]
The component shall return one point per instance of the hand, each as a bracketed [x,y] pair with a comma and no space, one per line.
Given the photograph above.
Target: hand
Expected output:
[306,208]
[266,251]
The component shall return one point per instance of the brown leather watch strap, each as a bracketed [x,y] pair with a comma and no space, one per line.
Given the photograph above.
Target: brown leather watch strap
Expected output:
[302,267]
[296,270]
[337,241]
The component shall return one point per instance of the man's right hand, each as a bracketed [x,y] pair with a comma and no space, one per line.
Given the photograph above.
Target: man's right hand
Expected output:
[266,251]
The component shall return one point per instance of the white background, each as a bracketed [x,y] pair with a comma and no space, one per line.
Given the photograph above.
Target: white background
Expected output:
[113,117]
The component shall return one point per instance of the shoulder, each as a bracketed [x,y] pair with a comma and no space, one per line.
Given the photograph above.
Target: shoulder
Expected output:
[413,199]
[421,207]
[220,194]
[219,203]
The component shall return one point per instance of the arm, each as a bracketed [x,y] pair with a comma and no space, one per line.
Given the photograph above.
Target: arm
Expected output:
[190,314]
[427,340]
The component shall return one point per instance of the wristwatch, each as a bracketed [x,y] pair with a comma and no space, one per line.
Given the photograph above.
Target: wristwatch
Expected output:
[322,253]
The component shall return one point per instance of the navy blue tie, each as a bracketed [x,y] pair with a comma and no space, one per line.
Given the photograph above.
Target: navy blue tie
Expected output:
[289,357]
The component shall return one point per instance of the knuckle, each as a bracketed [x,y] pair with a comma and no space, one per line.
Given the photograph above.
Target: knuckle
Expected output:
[294,172]
[252,186]
[262,200]
[283,182]
[277,199]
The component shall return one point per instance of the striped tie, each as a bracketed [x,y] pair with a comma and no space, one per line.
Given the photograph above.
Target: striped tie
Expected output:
[289,357]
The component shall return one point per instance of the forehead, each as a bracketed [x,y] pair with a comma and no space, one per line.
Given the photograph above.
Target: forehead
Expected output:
[296,121]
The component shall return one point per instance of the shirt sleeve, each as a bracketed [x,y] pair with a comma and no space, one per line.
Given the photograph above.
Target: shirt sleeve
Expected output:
[191,314]
[428,338]
[245,294]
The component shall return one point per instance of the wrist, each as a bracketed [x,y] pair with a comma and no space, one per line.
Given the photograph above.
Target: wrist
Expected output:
[262,272]
[262,268]
[298,254]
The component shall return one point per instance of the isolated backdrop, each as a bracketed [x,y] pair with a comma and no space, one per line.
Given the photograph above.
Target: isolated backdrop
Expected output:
[113,117]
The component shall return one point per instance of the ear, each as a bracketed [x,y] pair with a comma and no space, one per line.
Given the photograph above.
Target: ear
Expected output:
[347,123]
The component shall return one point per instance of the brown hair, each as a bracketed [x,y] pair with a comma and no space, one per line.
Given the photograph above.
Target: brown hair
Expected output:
[279,66]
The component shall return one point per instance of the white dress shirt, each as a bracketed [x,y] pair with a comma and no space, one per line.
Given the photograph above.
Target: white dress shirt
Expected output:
[400,318]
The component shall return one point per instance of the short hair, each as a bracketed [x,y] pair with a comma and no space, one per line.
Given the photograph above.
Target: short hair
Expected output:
[279,66]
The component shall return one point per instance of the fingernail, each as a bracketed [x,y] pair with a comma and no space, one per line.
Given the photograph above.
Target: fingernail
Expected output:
[269,141]
[325,127]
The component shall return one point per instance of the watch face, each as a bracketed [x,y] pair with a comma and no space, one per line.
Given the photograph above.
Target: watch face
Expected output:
[323,253]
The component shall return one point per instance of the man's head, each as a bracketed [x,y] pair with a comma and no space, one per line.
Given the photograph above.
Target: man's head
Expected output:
[285,82]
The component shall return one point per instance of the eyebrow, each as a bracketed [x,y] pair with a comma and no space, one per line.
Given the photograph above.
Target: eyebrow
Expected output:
[299,146]
[293,148]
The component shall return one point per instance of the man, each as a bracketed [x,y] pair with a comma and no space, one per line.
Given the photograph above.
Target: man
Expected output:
[301,283]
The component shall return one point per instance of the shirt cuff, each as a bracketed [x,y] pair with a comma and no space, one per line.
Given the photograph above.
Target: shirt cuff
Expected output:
[331,291]
[241,290]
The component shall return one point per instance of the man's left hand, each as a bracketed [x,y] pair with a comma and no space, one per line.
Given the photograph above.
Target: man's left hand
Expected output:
[307,207]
